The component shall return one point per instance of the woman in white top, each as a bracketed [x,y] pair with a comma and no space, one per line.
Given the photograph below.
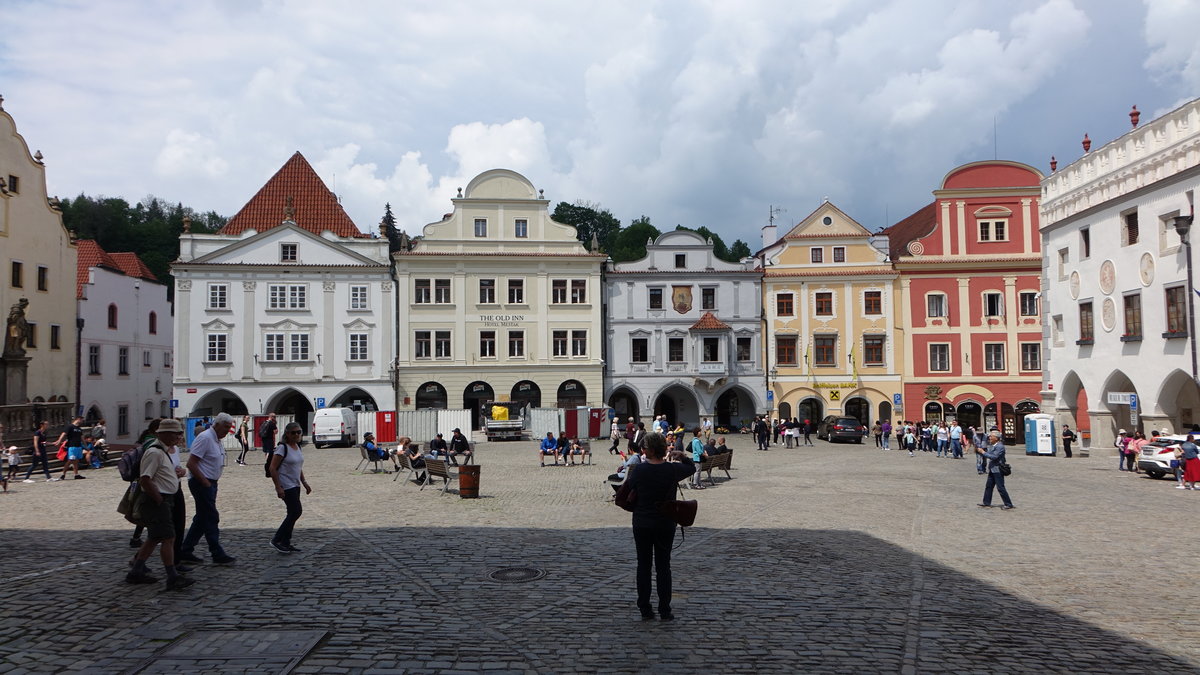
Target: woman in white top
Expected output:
[287,472]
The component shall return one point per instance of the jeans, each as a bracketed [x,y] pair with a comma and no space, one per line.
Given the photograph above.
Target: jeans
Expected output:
[291,498]
[45,462]
[941,447]
[762,442]
[956,448]
[1067,449]
[980,463]
[807,437]
[654,546]
[1131,461]
[242,456]
[887,441]
[879,440]
[995,479]
[787,439]
[206,522]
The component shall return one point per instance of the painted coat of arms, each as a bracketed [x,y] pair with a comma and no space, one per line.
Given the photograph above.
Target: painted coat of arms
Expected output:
[681,298]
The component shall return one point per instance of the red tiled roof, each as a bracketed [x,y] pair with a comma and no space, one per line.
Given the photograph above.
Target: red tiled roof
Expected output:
[316,207]
[133,266]
[910,229]
[91,255]
[499,254]
[709,322]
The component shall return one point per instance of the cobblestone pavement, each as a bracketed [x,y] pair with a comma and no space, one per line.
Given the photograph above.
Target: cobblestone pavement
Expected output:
[834,558]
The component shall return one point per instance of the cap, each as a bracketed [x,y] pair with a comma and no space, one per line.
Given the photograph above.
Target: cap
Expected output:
[1121,432]
[170,425]
[457,430]
[368,433]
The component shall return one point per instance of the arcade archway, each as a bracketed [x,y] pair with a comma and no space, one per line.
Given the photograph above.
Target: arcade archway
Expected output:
[572,394]
[218,401]
[733,406]
[679,405]
[859,408]
[356,399]
[528,392]
[432,396]
[811,408]
[624,403]
[475,396]
[292,402]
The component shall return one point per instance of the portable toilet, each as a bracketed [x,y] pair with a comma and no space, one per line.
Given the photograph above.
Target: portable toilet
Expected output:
[1040,438]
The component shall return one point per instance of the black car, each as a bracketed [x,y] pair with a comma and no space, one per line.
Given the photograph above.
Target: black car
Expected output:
[835,428]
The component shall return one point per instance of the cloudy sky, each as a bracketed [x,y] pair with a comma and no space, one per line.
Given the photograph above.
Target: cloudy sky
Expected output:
[694,113]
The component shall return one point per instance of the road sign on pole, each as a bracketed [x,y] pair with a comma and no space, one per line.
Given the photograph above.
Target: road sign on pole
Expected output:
[174,403]
[320,402]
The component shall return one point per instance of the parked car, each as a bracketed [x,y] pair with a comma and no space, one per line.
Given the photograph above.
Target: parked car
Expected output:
[335,426]
[835,428]
[1156,456]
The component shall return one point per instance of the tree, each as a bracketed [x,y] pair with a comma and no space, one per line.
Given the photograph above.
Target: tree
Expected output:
[588,219]
[739,250]
[393,234]
[630,243]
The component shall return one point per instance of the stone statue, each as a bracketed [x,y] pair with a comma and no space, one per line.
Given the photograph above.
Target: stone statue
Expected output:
[17,331]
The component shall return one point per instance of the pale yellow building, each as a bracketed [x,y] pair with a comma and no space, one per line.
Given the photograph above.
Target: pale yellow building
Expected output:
[829,306]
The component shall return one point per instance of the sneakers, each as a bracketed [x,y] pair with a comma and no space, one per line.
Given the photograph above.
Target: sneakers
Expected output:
[986,506]
[281,547]
[30,480]
[179,583]
[1177,487]
[189,558]
[293,549]
[910,454]
[134,578]
[1006,507]
[224,560]
[135,542]
[78,477]
[53,480]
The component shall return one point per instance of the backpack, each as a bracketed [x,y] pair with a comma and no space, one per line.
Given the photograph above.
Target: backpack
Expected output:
[267,466]
[130,464]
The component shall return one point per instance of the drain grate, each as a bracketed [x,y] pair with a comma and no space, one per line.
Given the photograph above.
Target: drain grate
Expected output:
[516,575]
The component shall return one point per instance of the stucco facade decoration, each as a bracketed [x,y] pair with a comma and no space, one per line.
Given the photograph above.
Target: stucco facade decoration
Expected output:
[830,308]
[127,331]
[1115,280]
[277,314]
[499,302]
[685,333]
[39,259]
[970,270]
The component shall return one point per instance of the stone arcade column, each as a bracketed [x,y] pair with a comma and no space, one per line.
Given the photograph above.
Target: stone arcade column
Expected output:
[1103,432]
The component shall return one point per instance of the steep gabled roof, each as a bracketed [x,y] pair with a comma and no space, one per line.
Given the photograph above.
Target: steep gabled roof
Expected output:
[316,208]
[709,322]
[133,266]
[91,255]
[912,228]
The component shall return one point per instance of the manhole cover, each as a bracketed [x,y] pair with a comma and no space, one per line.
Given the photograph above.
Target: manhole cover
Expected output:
[516,575]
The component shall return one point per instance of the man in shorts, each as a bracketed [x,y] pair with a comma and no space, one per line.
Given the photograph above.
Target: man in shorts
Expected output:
[73,438]
[159,481]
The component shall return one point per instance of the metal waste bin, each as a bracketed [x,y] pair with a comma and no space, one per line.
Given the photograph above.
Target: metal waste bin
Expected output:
[468,481]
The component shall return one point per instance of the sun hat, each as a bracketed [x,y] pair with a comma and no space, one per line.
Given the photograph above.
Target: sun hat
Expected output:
[170,425]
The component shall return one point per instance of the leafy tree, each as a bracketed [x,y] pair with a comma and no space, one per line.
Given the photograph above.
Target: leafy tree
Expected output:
[589,219]
[739,250]
[630,243]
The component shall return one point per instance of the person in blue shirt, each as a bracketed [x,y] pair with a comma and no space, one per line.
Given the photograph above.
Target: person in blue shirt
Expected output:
[995,456]
[373,451]
[549,447]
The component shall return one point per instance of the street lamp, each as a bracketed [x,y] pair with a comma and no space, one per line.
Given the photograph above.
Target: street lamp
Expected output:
[1183,225]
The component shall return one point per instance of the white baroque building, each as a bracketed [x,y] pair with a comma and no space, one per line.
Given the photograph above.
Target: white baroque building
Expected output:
[685,335]
[126,331]
[1114,281]
[287,307]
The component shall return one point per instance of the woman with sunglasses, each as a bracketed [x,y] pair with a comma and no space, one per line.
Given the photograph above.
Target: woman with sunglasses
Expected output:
[287,472]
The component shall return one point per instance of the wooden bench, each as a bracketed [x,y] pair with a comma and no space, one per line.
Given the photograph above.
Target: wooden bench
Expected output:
[403,463]
[436,468]
[719,462]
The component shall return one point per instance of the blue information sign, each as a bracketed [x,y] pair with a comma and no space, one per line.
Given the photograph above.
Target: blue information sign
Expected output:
[320,401]
[174,403]
[896,399]
[770,396]
[1133,401]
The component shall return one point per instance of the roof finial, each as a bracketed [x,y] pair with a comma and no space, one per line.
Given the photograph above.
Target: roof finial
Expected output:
[541,194]
[460,193]
[1134,116]
[1087,143]
[187,224]
[289,211]
[1053,164]
[1,102]
[38,156]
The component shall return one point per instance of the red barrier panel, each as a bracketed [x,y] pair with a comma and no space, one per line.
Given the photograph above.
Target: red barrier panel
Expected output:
[385,426]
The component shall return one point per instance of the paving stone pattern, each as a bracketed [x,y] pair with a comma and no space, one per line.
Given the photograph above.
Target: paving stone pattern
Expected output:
[838,558]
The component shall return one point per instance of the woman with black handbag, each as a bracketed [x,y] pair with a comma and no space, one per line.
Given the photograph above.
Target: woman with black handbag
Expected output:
[653,482]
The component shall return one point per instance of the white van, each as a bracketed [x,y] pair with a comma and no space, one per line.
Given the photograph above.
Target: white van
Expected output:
[335,426]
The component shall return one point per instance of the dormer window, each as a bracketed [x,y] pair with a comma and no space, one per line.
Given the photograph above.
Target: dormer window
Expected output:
[287,253]
[481,227]
[680,261]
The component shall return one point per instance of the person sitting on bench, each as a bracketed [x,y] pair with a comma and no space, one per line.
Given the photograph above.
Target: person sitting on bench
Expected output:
[549,446]
[459,445]
[375,452]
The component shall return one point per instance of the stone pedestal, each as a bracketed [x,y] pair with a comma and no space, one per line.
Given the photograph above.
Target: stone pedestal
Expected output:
[1104,433]
[13,380]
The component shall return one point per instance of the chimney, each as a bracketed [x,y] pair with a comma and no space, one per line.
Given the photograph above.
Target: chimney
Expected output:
[770,234]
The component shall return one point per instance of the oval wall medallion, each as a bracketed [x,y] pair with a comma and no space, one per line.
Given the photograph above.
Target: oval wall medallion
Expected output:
[1074,285]
[1108,276]
[1146,269]
[1108,315]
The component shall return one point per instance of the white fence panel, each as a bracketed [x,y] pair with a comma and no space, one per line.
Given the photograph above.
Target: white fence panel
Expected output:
[449,420]
[366,422]
[542,420]
[419,425]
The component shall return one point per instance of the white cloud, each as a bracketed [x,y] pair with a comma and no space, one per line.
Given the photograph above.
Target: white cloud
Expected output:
[1170,30]
[187,154]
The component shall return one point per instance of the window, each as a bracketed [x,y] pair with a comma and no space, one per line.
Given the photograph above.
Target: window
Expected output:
[112,316]
[441,291]
[93,359]
[31,341]
[55,336]
[481,227]
[287,296]
[873,350]
[680,261]
[939,357]
[516,291]
[521,228]
[936,305]
[579,343]
[146,358]
[825,350]
[1064,257]
[1085,243]
[14,184]
[744,346]
[839,254]
[43,280]
[287,253]
[993,304]
[441,344]
[487,344]
[578,291]
[516,344]
[217,348]
[166,359]
[273,346]
[1031,356]
[639,348]
[993,356]
[1133,315]
[824,304]
[1086,326]
[1056,329]
[558,291]
[358,347]
[656,298]
[358,297]
[675,350]
[873,302]
[422,344]
[153,323]
[1129,229]
[299,346]
[785,350]
[710,350]
[149,409]
[559,342]
[816,254]
[421,291]
[487,291]
[18,273]
[122,420]
[993,230]
[1176,310]
[784,305]
[708,298]
[1029,303]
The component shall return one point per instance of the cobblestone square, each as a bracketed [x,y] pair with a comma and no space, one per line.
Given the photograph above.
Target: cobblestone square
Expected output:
[837,558]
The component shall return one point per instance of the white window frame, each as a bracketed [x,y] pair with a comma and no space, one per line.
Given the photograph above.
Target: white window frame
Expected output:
[358,347]
[579,343]
[481,227]
[422,345]
[359,297]
[988,311]
[882,350]
[274,347]
[298,347]
[709,290]
[521,228]
[943,305]
[1032,298]
[579,291]
[218,296]
[287,297]
[934,358]
[216,348]
[633,345]
[993,357]
[749,349]
[122,360]
[289,252]
[704,343]
[816,255]
[93,359]
[487,294]
[443,292]
[487,344]
[516,344]
[992,230]
[422,291]
[560,343]
[839,252]
[672,342]
[650,297]
[516,287]
[443,344]
[1026,348]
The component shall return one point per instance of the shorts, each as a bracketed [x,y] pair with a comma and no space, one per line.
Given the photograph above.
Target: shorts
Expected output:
[549,452]
[74,453]
[159,520]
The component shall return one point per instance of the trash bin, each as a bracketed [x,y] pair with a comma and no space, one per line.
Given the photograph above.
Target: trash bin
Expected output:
[468,481]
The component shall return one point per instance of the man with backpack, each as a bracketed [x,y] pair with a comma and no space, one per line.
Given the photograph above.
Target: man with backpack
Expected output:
[1068,437]
[266,434]
[159,481]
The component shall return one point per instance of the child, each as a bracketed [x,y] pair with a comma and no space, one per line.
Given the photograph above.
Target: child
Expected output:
[910,440]
[14,461]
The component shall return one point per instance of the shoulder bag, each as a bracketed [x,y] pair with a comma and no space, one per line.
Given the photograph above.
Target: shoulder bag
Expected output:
[682,511]
[626,497]
[1005,469]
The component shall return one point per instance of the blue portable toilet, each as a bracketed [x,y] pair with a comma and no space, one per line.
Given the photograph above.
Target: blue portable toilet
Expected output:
[192,426]
[1040,438]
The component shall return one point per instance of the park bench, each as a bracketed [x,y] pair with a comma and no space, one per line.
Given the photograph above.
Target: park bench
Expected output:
[403,463]
[436,468]
[368,459]
[719,462]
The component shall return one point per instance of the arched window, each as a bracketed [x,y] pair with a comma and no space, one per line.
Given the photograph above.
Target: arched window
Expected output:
[112,316]
[154,323]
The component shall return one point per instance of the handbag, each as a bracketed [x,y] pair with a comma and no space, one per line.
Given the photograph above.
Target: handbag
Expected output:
[682,511]
[1005,469]
[132,505]
[626,496]
[62,453]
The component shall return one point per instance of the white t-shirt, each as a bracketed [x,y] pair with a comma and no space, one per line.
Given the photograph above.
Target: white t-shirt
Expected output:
[291,467]
[209,453]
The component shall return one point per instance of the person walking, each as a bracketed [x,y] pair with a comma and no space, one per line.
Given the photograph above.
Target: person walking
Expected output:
[159,480]
[287,472]
[72,438]
[1068,437]
[614,435]
[995,479]
[885,430]
[243,439]
[1191,462]
[266,435]
[654,481]
[1121,443]
[39,454]
[707,426]
[205,465]
[956,432]
[762,433]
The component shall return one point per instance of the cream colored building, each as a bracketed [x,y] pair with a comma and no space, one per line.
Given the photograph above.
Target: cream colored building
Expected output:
[39,264]
[499,302]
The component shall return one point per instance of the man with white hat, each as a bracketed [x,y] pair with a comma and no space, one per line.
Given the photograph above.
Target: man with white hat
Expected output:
[159,481]
[1121,443]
